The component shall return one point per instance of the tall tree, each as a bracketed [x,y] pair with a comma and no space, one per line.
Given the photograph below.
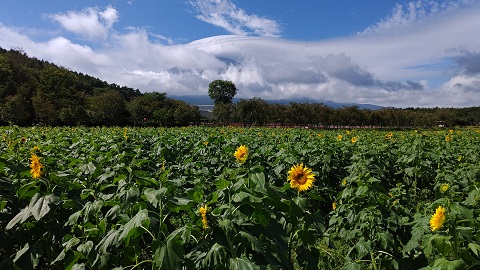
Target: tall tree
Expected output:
[222,91]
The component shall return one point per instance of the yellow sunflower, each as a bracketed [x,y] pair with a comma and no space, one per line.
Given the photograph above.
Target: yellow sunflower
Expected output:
[203,212]
[339,137]
[354,139]
[36,166]
[301,177]
[334,206]
[241,154]
[444,188]
[436,222]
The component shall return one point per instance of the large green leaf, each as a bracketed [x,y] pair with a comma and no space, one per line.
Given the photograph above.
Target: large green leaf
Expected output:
[251,241]
[85,248]
[129,229]
[91,209]
[444,264]
[363,248]
[242,264]
[169,255]
[216,256]
[258,179]
[154,196]
[20,217]
[88,168]
[111,239]
[39,205]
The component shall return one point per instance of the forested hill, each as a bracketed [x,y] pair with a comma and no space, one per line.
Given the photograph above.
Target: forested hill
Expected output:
[34,91]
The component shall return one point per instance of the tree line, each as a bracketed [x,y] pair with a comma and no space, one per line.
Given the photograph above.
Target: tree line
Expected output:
[258,112]
[34,91]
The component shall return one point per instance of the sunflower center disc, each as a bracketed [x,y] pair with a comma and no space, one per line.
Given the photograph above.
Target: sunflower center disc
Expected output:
[301,179]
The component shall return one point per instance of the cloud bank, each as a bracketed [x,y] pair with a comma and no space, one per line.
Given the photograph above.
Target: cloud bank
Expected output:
[425,55]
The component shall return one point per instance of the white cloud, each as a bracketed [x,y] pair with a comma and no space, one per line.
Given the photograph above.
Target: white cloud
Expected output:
[225,14]
[90,23]
[415,12]
[389,68]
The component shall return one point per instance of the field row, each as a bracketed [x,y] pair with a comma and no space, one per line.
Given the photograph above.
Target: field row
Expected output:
[236,198]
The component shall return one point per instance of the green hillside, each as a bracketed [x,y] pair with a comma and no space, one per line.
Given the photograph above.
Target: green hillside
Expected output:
[34,91]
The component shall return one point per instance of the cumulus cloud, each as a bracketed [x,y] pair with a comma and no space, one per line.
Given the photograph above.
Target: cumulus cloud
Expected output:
[90,23]
[381,67]
[224,14]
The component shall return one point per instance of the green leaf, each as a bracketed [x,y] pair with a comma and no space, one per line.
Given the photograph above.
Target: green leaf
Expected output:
[251,240]
[169,255]
[351,265]
[474,248]
[73,219]
[362,191]
[473,197]
[91,209]
[71,243]
[39,205]
[363,248]
[20,217]
[88,168]
[461,211]
[132,194]
[308,257]
[444,264]
[78,266]
[302,202]
[216,256]
[27,190]
[306,237]
[113,212]
[110,239]
[221,184]
[441,242]
[154,195]
[133,223]
[385,239]
[227,226]
[242,264]
[85,248]
[195,195]
[259,181]
[22,251]
[243,196]
[238,184]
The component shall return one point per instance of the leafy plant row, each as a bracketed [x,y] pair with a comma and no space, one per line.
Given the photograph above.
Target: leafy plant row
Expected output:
[232,198]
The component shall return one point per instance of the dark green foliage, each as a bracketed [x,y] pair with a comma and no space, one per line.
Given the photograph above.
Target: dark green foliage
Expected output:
[33,91]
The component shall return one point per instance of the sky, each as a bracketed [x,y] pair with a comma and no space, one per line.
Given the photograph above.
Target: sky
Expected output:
[423,53]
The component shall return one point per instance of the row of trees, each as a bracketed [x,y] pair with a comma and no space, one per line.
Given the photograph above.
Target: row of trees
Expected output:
[33,91]
[258,112]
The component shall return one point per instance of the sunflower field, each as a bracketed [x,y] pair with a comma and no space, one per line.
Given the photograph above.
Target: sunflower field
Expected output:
[237,198]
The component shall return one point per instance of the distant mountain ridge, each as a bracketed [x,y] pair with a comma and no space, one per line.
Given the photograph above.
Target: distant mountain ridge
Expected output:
[205,100]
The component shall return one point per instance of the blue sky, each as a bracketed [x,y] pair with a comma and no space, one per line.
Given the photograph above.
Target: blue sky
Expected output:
[419,53]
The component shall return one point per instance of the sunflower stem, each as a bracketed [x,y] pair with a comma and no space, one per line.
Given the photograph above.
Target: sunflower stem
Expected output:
[373,261]
[455,243]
